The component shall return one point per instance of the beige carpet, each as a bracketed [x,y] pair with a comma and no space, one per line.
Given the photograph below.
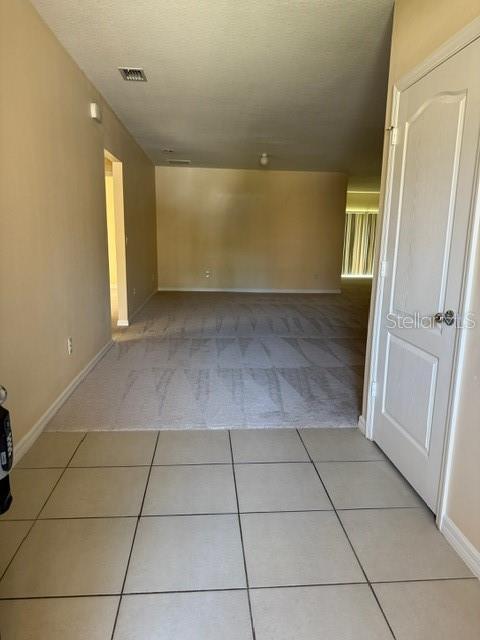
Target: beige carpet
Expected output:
[213,360]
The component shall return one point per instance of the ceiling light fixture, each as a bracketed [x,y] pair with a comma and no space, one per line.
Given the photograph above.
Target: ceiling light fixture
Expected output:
[264,159]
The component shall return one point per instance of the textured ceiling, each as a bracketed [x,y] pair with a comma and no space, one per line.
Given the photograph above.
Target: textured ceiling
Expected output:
[303,80]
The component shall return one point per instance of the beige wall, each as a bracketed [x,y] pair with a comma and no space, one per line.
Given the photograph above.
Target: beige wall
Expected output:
[363,201]
[53,257]
[252,229]
[421,26]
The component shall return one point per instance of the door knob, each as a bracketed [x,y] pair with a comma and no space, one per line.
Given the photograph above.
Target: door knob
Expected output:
[448,317]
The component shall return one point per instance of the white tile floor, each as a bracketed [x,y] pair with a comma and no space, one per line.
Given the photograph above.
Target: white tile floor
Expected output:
[248,535]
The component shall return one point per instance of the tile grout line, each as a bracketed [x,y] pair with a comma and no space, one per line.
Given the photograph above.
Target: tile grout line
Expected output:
[252,624]
[37,517]
[209,513]
[134,537]
[229,589]
[193,464]
[347,537]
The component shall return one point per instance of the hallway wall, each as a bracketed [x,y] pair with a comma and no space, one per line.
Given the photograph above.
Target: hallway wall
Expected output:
[53,257]
[420,27]
[252,229]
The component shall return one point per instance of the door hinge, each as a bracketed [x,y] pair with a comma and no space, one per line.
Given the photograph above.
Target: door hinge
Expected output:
[373,388]
[383,268]
[393,135]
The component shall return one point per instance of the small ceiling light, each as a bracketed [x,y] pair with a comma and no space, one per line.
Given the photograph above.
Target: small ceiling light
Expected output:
[264,160]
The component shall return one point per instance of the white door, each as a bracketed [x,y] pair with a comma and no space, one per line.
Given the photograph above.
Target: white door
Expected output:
[432,184]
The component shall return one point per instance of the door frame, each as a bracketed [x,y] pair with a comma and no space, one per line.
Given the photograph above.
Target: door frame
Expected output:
[459,41]
[120,238]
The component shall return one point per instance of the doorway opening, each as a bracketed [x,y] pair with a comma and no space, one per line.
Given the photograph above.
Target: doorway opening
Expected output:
[116,240]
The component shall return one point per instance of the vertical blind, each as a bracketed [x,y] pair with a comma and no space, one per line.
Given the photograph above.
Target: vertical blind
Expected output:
[359,245]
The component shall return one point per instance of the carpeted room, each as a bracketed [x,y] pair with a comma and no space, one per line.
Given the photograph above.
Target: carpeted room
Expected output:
[229,360]
[253,325]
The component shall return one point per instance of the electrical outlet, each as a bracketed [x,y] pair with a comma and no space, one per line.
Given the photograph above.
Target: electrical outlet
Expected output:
[69,345]
[207,273]
[134,291]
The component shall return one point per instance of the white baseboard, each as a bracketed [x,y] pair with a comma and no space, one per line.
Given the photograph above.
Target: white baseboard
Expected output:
[127,323]
[361,425]
[462,545]
[241,290]
[137,311]
[29,438]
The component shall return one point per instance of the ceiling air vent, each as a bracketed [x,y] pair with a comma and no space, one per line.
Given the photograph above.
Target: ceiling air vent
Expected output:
[136,74]
[179,163]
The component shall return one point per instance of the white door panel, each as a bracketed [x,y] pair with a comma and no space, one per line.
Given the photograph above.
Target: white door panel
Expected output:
[432,183]
[427,185]
[414,372]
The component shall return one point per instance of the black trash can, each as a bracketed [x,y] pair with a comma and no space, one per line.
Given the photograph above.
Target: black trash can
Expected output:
[6,459]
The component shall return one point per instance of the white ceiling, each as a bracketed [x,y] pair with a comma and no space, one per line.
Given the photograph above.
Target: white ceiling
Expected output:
[303,80]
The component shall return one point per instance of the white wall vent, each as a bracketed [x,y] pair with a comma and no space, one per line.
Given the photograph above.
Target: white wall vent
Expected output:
[136,74]
[179,163]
